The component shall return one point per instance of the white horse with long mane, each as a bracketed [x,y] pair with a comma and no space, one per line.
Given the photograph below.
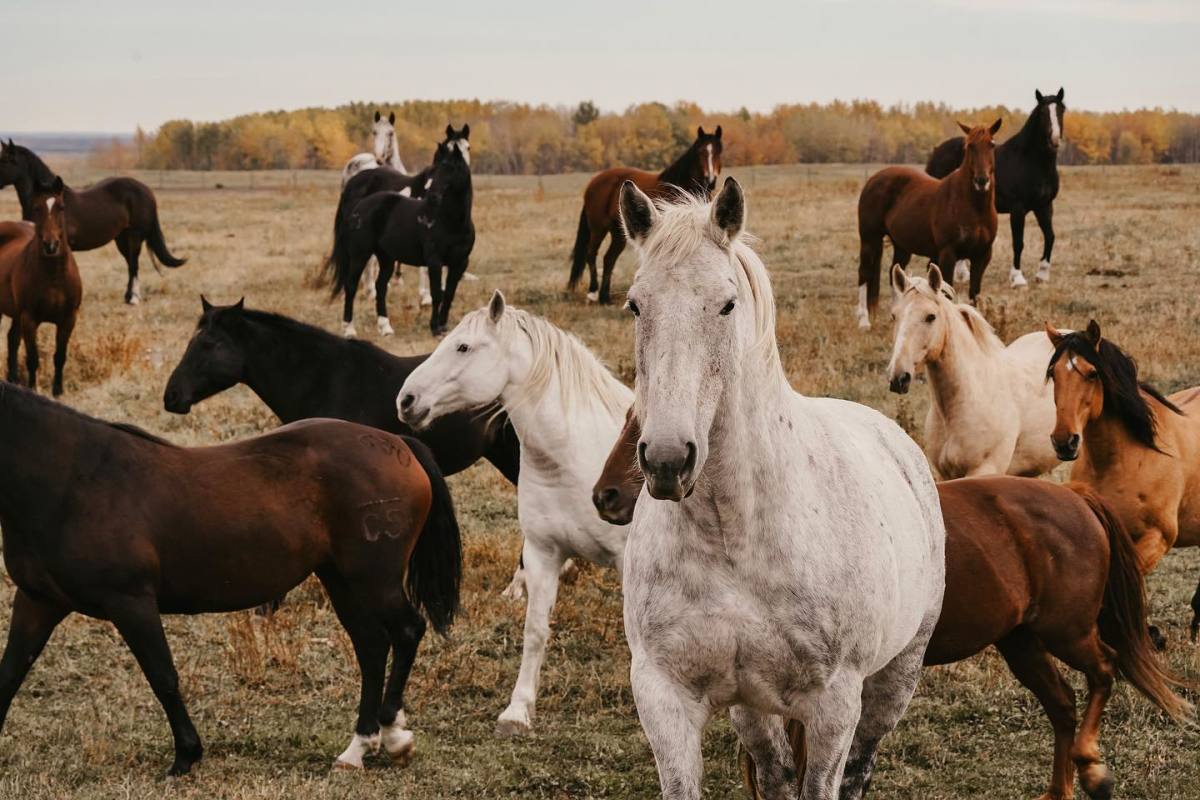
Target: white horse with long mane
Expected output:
[788,561]
[992,410]
[567,410]
[383,137]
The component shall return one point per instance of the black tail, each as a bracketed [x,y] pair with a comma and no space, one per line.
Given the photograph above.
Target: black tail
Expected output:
[158,245]
[330,272]
[579,252]
[1123,616]
[435,567]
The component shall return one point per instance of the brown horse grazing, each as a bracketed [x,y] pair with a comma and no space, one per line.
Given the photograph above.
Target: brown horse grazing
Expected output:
[1035,568]
[947,221]
[1138,449]
[695,172]
[39,282]
[223,528]
[121,209]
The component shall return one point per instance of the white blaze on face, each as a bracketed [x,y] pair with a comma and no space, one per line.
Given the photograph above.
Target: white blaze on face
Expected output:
[50,204]
[1055,133]
[710,174]
[464,147]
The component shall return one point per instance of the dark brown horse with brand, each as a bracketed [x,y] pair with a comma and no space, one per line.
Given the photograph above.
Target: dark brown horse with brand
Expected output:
[947,221]
[39,282]
[121,209]
[695,172]
[1037,569]
[223,528]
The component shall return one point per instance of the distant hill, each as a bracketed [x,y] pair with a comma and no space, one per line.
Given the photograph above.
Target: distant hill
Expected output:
[66,144]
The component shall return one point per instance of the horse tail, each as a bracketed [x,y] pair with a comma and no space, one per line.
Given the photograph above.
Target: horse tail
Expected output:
[158,245]
[332,271]
[1123,615]
[579,252]
[871,231]
[434,574]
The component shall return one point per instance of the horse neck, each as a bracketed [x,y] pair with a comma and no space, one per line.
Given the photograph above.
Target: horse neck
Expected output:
[958,377]
[1030,140]
[35,172]
[683,172]
[289,370]
[1106,443]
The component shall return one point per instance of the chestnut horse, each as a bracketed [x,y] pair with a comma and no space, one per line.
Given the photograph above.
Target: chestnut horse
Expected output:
[694,172]
[946,221]
[1037,569]
[121,209]
[39,282]
[1139,449]
[215,529]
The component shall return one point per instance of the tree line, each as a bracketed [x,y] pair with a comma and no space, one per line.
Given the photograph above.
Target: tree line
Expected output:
[517,138]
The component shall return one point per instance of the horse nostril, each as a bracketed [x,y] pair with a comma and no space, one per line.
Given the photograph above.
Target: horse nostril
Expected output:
[1074,441]
[406,402]
[689,463]
[604,499]
[642,455]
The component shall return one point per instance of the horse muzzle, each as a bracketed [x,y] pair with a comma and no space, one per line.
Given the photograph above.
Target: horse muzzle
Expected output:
[1068,449]
[175,403]
[983,184]
[51,247]
[669,470]
[899,383]
[411,413]
[613,506]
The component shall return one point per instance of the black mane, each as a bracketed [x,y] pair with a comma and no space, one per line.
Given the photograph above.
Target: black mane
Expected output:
[10,392]
[1119,380]
[1031,137]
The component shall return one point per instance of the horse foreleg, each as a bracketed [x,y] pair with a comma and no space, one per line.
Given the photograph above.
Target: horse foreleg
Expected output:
[1095,659]
[610,260]
[29,328]
[673,720]
[62,336]
[1033,667]
[14,348]
[595,239]
[454,273]
[382,278]
[541,579]
[130,245]
[766,741]
[28,631]
[424,298]
[979,265]
[351,289]
[1045,220]
[436,327]
[139,624]
[372,278]
[1016,220]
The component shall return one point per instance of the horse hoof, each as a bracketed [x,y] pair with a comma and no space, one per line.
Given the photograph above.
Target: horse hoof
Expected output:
[133,300]
[470,276]
[569,572]
[1157,638]
[1016,279]
[962,271]
[514,725]
[515,590]
[1097,781]
[1043,273]
[384,327]
[348,330]
[346,766]
[426,301]
[593,297]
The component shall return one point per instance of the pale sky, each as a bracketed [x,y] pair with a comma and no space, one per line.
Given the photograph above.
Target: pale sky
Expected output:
[109,65]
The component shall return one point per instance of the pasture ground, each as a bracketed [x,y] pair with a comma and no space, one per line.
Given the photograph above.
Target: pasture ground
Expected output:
[274,698]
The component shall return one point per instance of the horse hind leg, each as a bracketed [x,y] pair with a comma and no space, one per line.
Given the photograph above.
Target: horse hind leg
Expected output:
[406,629]
[14,349]
[870,253]
[1096,660]
[1032,666]
[62,337]
[29,337]
[616,245]
[595,239]
[382,323]
[29,629]
[1045,220]
[541,578]
[129,242]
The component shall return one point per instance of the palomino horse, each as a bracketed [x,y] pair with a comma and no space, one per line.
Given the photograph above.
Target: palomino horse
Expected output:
[1138,449]
[383,137]
[566,408]
[435,231]
[116,208]
[39,282]
[1026,177]
[789,562]
[1078,598]
[694,172]
[223,528]
[991,411]
[946,221]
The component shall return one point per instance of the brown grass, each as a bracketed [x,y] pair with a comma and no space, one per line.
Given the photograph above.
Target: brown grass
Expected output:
[274,699]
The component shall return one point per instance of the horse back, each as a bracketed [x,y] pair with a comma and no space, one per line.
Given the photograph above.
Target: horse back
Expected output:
[603,193]
[899,202]
[101,212]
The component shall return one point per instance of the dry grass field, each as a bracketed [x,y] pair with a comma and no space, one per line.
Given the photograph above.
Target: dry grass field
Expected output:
[274,698]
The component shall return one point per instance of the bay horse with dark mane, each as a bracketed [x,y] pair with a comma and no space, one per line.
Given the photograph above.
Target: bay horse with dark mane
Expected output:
[39,282]
[1026,177]
[120,209]
[694,172]
[217,529]
[1041,571]
[946,221]
[1135,446]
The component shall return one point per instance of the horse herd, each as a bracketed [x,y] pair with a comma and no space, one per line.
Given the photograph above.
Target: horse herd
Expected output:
[788,558]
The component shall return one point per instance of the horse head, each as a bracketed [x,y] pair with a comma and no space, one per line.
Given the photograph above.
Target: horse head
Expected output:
[707,150]
[50,218]
[1050,110]
[979,161]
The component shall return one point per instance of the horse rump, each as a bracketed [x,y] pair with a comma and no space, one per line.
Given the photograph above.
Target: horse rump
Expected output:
[579,251]
[946,157]
[434,575]
[350,220]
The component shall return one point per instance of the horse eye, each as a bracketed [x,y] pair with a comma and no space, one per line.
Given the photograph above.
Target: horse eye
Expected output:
[931,318]
[1093,376]
[464,347]
[632,306]
[728,309]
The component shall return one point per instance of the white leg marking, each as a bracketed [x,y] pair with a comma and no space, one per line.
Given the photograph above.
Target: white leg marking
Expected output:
[352,756]
[593,297]
[348,330]
[1016,279]
[962,270]
[1043,273]
[470,276]
[135,293]
[398,742]
[384,326]
[370,275]
[423,286]
[861,312]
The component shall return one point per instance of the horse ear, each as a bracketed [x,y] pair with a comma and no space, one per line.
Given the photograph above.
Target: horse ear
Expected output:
[1037,93]
[900,281]
[935,278]
[449,131]
[392,118]
[995,126]
[718,132]
[205,306]
[466,134]
[964,128]
[729,209]
[377,115]
[57,185]
[1053,333]
[638,214]
[700,132]
[496,306]
[1060,94]
[240,304]
[1093,334]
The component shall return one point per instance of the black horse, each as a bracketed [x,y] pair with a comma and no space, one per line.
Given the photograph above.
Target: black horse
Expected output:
[435,231]
[301,372]
[121,209]
[1026,176]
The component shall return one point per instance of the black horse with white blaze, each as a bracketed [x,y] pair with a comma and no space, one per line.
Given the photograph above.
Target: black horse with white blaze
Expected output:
[1026,177]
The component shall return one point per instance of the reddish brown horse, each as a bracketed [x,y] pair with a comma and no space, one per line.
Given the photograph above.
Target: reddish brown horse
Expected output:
[695,172]
[947,221]
[1037,569]
[121,209]
[39,282]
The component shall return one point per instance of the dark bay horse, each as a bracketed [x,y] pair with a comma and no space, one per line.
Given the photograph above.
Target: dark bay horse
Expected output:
[435,231]
[301,371]
[39,282]
[947,221]
[217,529]
[121,209]
[695,172]
[1026,176]
[1039,570]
